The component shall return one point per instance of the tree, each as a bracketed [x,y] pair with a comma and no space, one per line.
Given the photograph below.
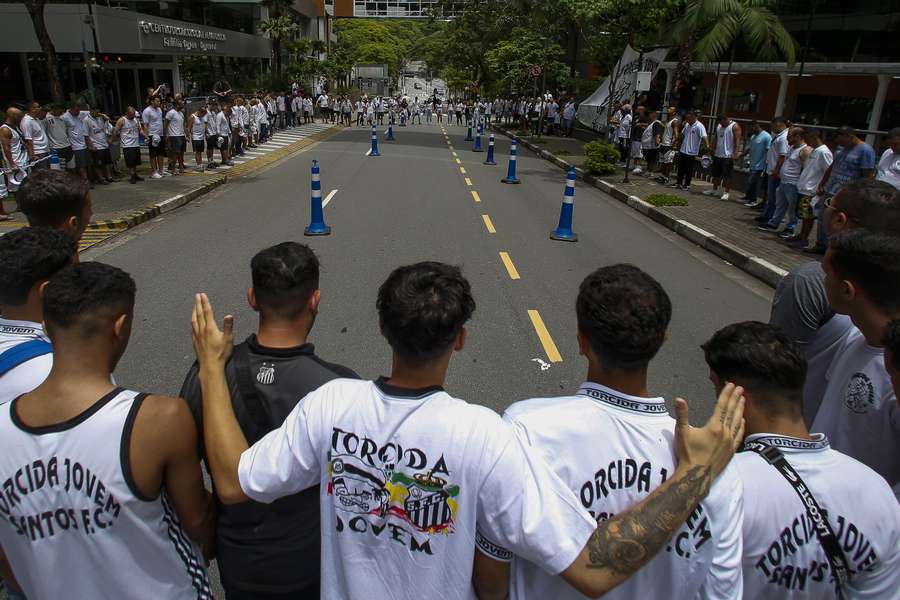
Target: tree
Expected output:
[720,25]
[510,60]
[36,12]
[278,29]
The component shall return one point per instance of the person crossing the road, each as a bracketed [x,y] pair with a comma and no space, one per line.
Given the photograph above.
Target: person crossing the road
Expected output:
[623,315]
[272,549]
[408,472]
[130,513]
[783,556]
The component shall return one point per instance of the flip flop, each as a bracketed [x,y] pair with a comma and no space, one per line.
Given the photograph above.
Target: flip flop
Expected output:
[6,217]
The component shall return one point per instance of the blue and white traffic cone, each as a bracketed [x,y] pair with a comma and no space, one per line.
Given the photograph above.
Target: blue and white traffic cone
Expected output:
[374,150]
[402,118]
[563,231]
[469,132]
[390,133]
[54,160]
[478,135]
[490,154]
[317,224]
[511,172]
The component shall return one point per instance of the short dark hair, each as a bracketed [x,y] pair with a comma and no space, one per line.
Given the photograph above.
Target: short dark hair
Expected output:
[624,314]
[763,360]
[780,119]
[872,262]
[29,256]
[84,295]
[872,205]
[421,309]
[48,197]
[846,130]
[895,132]
[284,278]
[892,342]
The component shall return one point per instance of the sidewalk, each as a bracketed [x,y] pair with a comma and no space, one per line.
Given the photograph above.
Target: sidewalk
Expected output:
[121,205]
[725,228]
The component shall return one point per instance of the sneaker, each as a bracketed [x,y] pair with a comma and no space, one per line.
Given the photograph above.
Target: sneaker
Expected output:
[767,227]
[138,177]
[165,173]
[229,162]
[725,197]
[156,175]
[675,186]
[637,171]
[711,192]
[133,179]
[786,234]
[753,204]
[686,188]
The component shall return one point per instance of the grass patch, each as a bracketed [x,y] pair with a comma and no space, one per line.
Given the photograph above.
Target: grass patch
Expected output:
[666,200]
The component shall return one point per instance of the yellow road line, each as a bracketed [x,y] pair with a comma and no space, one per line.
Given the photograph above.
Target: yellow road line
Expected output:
[462,170]
[468,182]
[510,267]
[488,223]
[455,154]
[476,196]
[451,146]
[544,336]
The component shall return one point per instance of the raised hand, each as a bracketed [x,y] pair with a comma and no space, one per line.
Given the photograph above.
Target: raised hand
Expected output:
[714,444]
[212,346]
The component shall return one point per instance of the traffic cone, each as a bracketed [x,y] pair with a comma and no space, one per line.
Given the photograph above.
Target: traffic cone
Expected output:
[563,231]
[478,135]
[511,171]
[390,133]
[374,150]
[469,132]
[54,160]
[490,154]
[317,224]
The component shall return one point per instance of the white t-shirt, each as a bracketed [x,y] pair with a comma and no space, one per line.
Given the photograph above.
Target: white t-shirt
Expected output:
[153,118]
[859,412]
[406,477]
[33,130]
[820,351]
[76,129]
[783,558]
[778,148]
[612,450]
[691,136]
[58,131]
[96,130]
[198,127]
[815,166]
[280,101]
[30,374]
[224,129]
[175,123]
[888,168]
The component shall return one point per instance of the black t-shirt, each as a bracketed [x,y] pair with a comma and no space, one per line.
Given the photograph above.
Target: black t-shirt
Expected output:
[268,548]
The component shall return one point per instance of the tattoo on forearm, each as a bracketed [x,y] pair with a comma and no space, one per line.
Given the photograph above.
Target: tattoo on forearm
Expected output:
[625,544]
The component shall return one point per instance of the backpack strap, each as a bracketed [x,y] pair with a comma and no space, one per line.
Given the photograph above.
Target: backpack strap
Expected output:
[21,353]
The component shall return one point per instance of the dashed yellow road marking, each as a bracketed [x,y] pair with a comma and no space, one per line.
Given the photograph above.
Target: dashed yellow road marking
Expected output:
[455,154]
[462,170]
[544,335]
[488,223]
[459,162]
[476,196]
[468,182]
[510,267]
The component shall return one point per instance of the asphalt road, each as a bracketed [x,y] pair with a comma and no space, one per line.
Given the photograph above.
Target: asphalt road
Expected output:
[411,204]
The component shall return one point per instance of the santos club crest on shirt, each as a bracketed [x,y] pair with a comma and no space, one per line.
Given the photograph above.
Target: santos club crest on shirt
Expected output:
[266,375]
[860,394]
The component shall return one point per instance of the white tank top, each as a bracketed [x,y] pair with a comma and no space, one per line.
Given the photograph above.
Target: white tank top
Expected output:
[211,129]
[73,524]
[17,147]
[198,127]
[130,133]
[668,137]
[648,141]
[725,141]
[793,166]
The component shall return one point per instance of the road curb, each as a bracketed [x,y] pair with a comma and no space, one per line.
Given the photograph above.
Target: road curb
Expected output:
[142,215]
[740,258]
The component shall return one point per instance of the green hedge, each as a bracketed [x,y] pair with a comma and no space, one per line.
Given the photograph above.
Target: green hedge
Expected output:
[601,158]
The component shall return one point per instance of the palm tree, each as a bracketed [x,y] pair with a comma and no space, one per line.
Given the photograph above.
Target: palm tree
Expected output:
[278,29]
[719,25]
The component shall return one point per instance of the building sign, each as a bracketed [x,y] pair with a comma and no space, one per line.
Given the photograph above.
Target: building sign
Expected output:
[179,37]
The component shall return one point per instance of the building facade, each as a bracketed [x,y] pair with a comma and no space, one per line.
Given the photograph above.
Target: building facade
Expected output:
[112,52]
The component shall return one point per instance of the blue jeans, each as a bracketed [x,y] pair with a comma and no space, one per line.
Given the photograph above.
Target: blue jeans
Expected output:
[785,204]
[772,184]
[756,179]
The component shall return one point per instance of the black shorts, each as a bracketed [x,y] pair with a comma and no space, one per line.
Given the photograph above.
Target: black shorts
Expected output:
[65,155]
[101,157]
[212,142]
[81,158]
[156,151]
[176,144]
[722,167]
[650,155]
[132,156]
[198,145]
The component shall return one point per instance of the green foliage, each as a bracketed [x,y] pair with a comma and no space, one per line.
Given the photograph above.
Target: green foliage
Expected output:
[666,200]
[390,41]
[510,59]
[601,157]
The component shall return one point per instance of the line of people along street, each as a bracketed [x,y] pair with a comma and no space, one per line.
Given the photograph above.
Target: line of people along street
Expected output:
[329,485]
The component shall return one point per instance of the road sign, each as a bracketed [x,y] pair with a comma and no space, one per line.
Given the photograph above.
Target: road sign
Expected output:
[535,70]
